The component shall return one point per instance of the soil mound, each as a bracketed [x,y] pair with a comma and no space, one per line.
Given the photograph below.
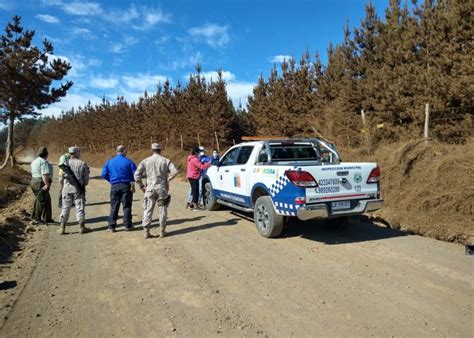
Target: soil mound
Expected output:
[13,182]
[429,189]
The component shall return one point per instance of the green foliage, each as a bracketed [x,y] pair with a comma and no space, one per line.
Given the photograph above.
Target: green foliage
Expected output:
[389,67]
[199,109]
[26,74]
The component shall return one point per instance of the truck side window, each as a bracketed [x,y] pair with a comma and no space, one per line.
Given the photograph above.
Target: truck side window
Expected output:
[244,155]
[230,158]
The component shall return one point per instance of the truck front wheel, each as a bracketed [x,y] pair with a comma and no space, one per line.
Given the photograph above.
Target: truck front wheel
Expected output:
[210,201]
[268,222]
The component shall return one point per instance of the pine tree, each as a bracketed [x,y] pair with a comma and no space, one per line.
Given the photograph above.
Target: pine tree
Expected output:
[26,76]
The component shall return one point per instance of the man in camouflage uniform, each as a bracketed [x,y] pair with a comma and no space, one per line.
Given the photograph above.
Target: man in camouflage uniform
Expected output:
[74,190]
[158,171]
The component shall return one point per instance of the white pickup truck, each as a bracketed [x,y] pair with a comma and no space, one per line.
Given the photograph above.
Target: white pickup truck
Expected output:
[303,178]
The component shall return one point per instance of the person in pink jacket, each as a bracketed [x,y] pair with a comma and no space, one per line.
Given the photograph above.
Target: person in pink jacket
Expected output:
[193,172]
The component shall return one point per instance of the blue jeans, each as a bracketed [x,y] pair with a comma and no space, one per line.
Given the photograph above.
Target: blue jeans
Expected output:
[120,193]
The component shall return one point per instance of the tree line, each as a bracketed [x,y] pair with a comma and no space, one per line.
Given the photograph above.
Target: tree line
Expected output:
[200,109]
[388,66]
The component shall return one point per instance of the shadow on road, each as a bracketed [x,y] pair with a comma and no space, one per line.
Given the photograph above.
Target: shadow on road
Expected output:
[137,224]
[183,231]
[340,231]
[184,220]
[97,219]
[102,203]
[9,284]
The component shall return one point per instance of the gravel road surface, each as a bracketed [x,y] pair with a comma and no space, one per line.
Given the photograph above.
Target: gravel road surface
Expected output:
[214,275]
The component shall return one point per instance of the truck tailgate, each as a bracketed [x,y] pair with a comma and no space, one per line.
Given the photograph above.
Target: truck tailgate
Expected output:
[342,182]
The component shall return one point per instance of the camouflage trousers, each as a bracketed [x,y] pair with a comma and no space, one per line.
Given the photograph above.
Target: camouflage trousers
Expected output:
[79,202]
[151,199]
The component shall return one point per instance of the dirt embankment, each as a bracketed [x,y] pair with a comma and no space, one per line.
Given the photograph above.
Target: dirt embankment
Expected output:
[428,188]
[13,182]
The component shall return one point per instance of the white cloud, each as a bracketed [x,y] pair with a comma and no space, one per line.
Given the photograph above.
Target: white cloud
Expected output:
[82,8]
[152,18]
[120,47]
[47,18]
[78,62]
[188,61]
[51,39]
[6,5]
[280,58]
[69,101]
[226,75]
[86,33]
[124,16]
[143,81]
[104,83]
[162,39]
[140,18]
[239,91]
[213,34]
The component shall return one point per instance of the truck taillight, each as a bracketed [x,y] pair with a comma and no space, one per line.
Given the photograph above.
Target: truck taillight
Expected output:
[300,200]
[302,179]
[374,176]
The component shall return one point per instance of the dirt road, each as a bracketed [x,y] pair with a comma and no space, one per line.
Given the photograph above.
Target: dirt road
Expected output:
[214,275]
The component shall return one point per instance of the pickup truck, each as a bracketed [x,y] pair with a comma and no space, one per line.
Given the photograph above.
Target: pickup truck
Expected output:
[276,179]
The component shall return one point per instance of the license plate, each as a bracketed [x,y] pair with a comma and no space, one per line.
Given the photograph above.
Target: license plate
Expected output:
[340,205]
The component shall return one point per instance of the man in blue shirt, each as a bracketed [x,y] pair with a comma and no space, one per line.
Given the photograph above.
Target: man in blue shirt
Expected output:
[119,172]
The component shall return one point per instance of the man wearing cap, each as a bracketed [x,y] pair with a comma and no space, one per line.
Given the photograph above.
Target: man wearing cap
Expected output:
[75,180]
[118,171]
[41,178]
[158,171]
[63,159]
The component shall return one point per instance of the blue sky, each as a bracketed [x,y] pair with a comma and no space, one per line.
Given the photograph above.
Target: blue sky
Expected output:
[124,47]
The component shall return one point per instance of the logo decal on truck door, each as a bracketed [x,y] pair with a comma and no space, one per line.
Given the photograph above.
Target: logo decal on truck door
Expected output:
[237,180]
[357,177]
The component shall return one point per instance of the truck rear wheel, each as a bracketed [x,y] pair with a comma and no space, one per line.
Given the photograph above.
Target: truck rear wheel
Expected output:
[210,201]
[268,222]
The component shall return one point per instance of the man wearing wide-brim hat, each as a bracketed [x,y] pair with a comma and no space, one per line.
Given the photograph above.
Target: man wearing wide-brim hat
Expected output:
[158,171]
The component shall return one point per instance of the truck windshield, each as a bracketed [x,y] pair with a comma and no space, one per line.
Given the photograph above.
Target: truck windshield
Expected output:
[290,152]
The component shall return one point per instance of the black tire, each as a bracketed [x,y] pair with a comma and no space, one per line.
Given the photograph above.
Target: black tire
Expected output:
[269,223]
[210,201]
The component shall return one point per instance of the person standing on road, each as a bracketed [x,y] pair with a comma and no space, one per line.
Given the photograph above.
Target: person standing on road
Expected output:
[215,157]
[64,159]
[75,180]
[158,171]
[204,159]
[194,173]
[41,178]
[118,171]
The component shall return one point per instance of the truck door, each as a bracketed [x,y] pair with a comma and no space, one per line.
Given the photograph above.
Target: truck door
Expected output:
[233,176]
[240,175]
[223,172]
